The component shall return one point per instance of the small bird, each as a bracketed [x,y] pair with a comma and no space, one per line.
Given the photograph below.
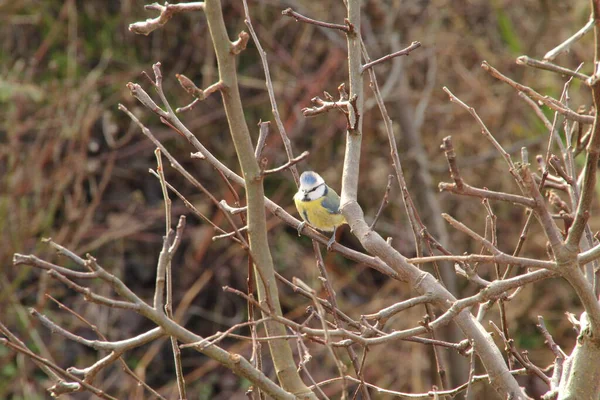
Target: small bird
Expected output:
[318,205]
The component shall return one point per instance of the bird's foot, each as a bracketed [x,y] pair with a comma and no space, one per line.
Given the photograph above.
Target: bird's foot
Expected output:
[300,227]
[331,242]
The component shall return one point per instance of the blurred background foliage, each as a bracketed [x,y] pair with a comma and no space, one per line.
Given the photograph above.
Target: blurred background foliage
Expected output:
[75,169]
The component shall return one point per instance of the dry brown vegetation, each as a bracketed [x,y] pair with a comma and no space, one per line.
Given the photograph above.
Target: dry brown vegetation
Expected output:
[75,168]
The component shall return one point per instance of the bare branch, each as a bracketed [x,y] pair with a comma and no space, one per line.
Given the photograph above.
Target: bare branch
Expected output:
[62,387]
[287,144]
[403,52]
[468,190]
[321,106]
[262,138]
[548,66]
[566,45]
[546,100]
[288,164]
[166,13]
[485,131]
[348,28]
[384,201]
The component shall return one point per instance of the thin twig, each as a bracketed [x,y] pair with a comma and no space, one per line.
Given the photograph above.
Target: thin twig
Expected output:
[484,130]
[468,190]
[403,52]
[262,138]
[522,358]
[546,100]
[169,276]
[348,28]
[548,66]
[321,106]
[566,45]
[59,388]
[93,327]
[435,394]
[166,13]
[287,144]
[384,201]
[288,164]
[175,164]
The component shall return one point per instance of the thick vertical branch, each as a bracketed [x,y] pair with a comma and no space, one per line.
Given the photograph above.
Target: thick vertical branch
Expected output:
[593,148]
[354,129]
[579,380]
[281,352]
[581,377]
[423,282]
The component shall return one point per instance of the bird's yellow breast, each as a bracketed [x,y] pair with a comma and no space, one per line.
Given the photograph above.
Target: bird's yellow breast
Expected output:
[318,216]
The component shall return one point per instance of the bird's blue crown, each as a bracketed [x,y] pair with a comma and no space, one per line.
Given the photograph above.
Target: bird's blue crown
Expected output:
[308,179]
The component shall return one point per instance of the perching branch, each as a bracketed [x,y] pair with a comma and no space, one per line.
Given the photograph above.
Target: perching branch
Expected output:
[421,281]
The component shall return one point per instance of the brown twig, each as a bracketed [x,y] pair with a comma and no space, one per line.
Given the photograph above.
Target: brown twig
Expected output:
[188,85]
[174,163]
[548,66]
[448,149]
[93,327]
[322,106]
[340,315]
[288,164]
[546,100]
[347,28]
[87,293]
[484,130]
[388,312]
[234,362]
[287,144]
[219,336]
[559,360]
[166,13]
[566,45]
[168,272]
[61,387]
[412,213]
[501,258]
[403,52]
[468,190]
[521,357]
[554,161]
[384,201]
[264,130]
[195,91]
[196,212]
[489,246]
[558,353]
[324,323]
[435,394]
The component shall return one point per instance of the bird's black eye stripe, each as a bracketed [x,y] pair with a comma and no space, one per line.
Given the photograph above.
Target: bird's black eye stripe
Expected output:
[315,188]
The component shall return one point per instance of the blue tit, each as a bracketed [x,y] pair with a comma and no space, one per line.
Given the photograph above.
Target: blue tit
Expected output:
[318,205]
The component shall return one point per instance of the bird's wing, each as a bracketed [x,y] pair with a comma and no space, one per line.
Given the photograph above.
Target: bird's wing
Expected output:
[331,202]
